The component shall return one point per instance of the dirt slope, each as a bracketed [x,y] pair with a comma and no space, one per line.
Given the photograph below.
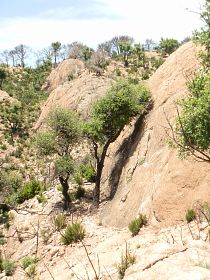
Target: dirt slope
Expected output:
[151,177]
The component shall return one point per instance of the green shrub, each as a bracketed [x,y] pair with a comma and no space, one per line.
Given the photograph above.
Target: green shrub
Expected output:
[74,232]
[8,266]
[59,221]
[137,224]
[41,198]
[88,172]
[126,260]
[2,238]
[190,215]
[27,261]
[29,190]
[78,178]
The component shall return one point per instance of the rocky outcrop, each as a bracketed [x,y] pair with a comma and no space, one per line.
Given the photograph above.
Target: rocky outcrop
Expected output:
[66,71]
[144,173]
[79,94]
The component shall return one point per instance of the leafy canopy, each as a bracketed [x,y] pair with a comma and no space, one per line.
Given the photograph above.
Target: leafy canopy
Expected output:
[63,133]
[111,113]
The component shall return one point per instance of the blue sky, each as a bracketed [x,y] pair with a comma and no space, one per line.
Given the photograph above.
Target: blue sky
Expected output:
[37,23]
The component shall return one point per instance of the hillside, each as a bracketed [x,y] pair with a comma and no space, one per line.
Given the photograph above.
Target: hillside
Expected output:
[142,173]
[148,175]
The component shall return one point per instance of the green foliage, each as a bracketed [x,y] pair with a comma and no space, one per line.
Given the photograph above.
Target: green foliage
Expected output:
[88,172]
[11,116]
[45,143]
[111,113]
[137,224]
[2,238]
[29,190]
[59,221]
[167,46]
[65,124]
[191,135]
[126,261]
[74,233]
[190,215]
[9,267]
[64,166]
[29,260]
[3,76]
[193,127]
[203,36]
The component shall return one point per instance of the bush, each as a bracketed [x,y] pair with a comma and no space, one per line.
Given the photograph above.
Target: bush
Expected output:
[126,260]
[190,215]
[137,224]
[29,190]
[59,221]
[27,261]
[74,232]
[88,172]
[9,267]
[29,265]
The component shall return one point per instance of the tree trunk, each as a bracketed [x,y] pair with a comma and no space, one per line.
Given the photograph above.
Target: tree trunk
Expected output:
[99,168]
[65,186]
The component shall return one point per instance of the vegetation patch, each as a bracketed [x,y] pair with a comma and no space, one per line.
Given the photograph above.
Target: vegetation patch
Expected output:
[74,233]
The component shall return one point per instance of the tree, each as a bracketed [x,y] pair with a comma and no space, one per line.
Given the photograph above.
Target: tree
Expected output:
[125,50]
[117,40]
[98,62]
[149,44]
[105,47]
[191,134]
[56,47]
[3,76]
[203,36]
[21,52]
[109,116]
[58,142]
[12,55]
[138,50]
[167,46]
[78,50]
[11,116]
[5,56]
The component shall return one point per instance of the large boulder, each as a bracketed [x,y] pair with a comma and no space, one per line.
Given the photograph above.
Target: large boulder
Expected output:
[142,172]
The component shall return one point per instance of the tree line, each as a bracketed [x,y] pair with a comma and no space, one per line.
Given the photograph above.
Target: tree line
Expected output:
[119,45]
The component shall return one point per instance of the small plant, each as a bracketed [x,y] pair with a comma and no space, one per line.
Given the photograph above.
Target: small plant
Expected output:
[59,221]
[78,178]
[2,238]
[137,224]
[29,190]
[45,235]
[88,172]
[41,198]
[9,267]
[74,232]
[26,261]
[190,215]
[29,265]
[126,260]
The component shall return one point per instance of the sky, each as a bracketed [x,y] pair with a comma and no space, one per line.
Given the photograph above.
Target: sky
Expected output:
[38,23]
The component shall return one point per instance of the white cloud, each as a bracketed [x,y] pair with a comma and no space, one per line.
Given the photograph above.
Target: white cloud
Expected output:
[140,19]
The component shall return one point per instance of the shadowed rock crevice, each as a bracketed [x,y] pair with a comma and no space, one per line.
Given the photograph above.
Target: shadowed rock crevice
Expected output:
[126,150]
